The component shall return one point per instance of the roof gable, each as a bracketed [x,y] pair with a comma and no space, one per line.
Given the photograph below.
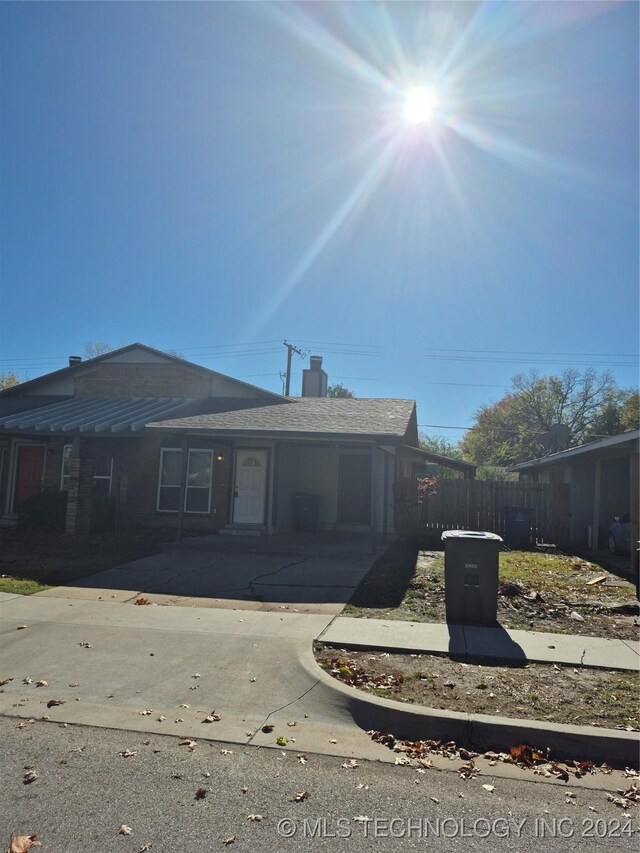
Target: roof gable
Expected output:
[61,382]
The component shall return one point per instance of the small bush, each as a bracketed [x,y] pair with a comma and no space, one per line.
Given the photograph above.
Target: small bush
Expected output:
[47,510]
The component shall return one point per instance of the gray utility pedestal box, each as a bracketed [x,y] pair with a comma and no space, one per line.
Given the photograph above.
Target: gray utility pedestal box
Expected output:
[471,576]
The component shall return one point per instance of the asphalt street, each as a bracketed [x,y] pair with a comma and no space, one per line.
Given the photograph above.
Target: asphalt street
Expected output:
[86,790]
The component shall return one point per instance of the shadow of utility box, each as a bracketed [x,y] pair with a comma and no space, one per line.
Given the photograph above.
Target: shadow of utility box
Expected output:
[471,576]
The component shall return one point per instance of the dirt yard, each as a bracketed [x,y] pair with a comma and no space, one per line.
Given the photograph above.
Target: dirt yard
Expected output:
[538,592]
[557,694]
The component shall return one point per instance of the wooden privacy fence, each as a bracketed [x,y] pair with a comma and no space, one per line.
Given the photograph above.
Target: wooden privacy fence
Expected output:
[480,505]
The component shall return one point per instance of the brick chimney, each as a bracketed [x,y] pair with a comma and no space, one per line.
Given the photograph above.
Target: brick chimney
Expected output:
[314,378]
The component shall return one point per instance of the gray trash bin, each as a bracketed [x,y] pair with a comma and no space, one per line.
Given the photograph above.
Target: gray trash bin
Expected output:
[471,576]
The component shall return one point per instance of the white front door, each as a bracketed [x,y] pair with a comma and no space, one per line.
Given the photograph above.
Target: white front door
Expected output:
[250,486]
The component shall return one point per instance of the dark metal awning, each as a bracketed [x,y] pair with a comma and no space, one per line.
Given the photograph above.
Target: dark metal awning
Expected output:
[90,415]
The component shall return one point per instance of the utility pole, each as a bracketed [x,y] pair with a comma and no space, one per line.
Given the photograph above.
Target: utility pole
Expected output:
[290,350]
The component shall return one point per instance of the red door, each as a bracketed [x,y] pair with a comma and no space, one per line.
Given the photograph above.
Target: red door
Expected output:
[29,473]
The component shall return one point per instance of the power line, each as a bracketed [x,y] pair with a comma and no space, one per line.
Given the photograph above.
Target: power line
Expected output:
[476,359]
[537,352]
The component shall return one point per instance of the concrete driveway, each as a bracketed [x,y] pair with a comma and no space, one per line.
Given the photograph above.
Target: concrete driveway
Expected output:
[164,669]
[306,573]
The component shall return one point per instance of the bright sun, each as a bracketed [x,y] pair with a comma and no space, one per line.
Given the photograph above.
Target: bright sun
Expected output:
[420,104]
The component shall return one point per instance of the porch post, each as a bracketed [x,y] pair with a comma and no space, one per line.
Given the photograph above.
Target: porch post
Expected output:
[596,507]
[374,500]
[78,515]
[385,504]
[634,513]
[183,487]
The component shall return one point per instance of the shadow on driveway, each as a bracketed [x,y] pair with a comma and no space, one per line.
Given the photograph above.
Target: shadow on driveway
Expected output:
[302,572]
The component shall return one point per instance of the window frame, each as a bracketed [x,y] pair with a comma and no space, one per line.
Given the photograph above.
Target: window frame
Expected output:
[208,487]
[64,487]
[104,477]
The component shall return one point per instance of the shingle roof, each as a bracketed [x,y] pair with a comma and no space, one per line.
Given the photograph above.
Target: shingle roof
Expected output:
[305,415]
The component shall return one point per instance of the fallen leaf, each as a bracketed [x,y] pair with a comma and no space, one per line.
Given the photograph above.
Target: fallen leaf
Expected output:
[243,790]
[29,777]
[351,764]
[142,600]
[201,793]
[282,741]
[146,712]
[302,759]
[576,616]
[212,718]
[27,680]
[145,847]
[123,829]
[21,628]
[86,645]
[187,742]
[42,683]
[435,799]
[161,718]
[489,788]
[184,705]
[267,729]
[292,724]
[196,675]
[22,843]
[256,817]
[300,796]
[53,702]
[178,720]
[128,753]
[229,840]
[4,681]
[226,752]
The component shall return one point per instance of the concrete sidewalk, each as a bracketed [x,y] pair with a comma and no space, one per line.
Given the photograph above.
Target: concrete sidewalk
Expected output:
[470,641]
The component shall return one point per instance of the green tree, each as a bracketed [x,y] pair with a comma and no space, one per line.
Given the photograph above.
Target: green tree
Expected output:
[443,447]
[338,390]
[509,431]
[8,380]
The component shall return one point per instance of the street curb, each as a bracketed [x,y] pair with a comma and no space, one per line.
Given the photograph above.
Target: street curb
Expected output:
[481,731]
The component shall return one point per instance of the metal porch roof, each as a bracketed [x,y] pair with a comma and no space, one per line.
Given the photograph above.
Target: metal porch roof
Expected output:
[90,415]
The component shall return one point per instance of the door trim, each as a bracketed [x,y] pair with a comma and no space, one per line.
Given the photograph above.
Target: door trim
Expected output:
[267,482]
[16,444]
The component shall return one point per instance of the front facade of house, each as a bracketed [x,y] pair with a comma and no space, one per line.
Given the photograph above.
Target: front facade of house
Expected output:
[171,445]
[603,476]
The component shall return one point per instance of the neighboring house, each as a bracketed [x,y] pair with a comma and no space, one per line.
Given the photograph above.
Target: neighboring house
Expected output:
[176,445]
[603,476]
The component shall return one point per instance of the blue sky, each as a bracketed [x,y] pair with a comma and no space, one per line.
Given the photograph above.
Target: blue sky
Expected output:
[216,177]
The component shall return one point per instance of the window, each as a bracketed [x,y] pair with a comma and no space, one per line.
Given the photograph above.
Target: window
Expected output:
[197,497]
[102,474]
[64,474]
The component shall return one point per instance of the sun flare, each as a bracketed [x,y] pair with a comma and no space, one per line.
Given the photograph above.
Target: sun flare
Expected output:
[420,104]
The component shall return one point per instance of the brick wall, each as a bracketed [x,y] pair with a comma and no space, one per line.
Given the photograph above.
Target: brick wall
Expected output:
[141,380]
[134,485]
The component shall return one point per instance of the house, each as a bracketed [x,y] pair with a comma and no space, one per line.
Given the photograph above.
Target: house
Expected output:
[174,445]
[603,476]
